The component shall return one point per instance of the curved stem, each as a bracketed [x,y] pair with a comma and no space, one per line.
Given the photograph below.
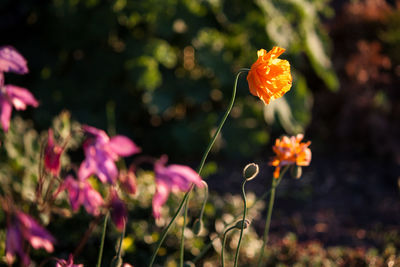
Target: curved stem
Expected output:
[209,245]
[184,201]
[223,244]
[103,235]
[203,206]
[243,223]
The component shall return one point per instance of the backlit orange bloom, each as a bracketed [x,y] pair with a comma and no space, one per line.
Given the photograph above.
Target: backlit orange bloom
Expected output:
[269,77]
[290,151]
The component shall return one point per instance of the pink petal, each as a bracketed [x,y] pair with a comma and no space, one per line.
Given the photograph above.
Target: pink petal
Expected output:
[87,168]
[21,97]
[96,133]
[12,60]
[159,198]
[36,235]
[123,146]
[186,173]
[5,113]
[92,200]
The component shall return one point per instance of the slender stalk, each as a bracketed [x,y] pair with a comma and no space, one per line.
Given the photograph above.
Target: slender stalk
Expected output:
[103,235]
[164,233]
[275,183]
[184,201]
[209,245]
[182,245]
[243,223]
[223,244]
[120,241]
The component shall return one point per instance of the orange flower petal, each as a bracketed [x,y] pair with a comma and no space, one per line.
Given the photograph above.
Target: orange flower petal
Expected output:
[269,77]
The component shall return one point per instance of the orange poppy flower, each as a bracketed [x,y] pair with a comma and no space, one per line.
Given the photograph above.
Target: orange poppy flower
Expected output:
[269,77]
[290,151]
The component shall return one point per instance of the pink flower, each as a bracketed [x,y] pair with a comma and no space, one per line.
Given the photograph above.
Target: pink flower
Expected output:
[69,263]
[11,95]
[127,179]
[82,193]
[12,61]
[119,214]
[23,227]
[171,178]
[101,153]
[52,154]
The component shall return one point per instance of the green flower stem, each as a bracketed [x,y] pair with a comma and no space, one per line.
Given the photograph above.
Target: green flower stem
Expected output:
[103,235]
[120,241]
[182,245]
[199,169]
[209,245]
[223,244]
[243,223]
[268,220]
[203,160]
[203,206]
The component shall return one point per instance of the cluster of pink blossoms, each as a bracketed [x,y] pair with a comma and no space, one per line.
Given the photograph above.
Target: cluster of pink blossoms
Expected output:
[101,155]
[11,95]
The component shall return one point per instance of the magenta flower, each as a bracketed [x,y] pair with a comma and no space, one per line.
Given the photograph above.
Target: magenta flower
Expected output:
[11,95]
[119,214]
[52,154]
[101,152]
[171,178]
[12,61]
[82,193]
[23,227]
[69,263]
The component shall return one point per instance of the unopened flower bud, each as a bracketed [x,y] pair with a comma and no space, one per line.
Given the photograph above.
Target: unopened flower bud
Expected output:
[197,226]
[250,171]
[296,171]
[239,224]
[188,264]
[116,262]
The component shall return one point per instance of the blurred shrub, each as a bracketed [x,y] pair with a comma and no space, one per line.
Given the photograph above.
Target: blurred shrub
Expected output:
[167,65]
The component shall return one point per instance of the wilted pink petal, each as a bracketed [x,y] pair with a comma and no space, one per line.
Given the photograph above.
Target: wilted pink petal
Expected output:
[171,178]
[101,154]
[5,113]
[12,61]
[69,263]
[123,146]
[127,179]
[52,154]
[21,97]
[119,214]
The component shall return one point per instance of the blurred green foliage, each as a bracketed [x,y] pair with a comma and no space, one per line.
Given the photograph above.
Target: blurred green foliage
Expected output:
[167,65]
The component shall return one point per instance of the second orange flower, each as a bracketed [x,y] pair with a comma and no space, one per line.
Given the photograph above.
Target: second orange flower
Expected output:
[269,77]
